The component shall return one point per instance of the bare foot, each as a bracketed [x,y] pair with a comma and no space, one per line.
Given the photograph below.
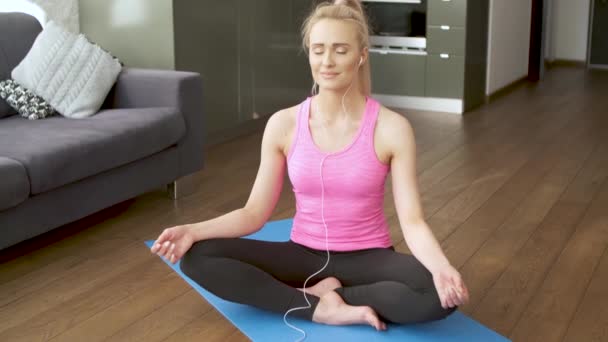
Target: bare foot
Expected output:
[326,285]
[332,310]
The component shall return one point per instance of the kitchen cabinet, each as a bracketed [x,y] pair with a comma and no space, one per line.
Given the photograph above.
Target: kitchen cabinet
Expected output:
[448,71]
[249,55]
[445,76]
[457,34]
[398,73]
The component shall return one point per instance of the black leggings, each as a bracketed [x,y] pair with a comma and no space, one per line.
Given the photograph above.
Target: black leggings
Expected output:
[267,274]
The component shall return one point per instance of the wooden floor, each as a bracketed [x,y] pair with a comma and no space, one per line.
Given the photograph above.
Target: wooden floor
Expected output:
[516,191]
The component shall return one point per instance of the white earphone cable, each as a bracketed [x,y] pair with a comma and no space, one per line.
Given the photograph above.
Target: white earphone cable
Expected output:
[326,230]
[324,266]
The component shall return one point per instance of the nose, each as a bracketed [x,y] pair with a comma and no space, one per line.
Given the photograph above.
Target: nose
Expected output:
[328,59]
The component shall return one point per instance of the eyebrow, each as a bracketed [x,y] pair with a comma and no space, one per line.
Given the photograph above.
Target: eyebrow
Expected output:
[334,44]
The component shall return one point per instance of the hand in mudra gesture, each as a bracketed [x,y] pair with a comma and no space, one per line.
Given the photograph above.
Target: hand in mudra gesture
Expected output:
[173,243]
[450,287]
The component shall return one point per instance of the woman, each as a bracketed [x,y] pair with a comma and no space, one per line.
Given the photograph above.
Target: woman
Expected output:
[338,147]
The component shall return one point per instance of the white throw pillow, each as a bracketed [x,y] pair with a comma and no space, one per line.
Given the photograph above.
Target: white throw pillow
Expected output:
[67,71]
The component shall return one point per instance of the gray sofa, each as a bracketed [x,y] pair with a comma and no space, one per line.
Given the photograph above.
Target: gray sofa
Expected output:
[53,171]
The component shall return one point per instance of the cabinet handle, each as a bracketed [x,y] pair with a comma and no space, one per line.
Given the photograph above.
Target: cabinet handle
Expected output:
[397,52]
[446,0]
[445,27]
[444,55]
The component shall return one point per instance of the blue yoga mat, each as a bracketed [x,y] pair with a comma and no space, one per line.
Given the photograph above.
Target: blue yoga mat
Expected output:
[263,326]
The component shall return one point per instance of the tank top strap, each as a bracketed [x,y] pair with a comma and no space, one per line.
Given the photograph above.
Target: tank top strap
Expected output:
[301,125]
[370,118]
[304,114]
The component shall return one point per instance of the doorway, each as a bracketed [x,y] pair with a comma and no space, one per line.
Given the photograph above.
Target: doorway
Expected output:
[597,54]
[536,55]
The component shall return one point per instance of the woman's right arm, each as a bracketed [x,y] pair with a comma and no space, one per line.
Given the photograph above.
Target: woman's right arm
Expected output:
[174,242]
[264,194]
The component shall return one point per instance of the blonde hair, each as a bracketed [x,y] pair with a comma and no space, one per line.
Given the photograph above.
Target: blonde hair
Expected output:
[350,11]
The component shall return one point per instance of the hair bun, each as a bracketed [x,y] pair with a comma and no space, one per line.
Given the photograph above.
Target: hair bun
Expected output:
[354,4]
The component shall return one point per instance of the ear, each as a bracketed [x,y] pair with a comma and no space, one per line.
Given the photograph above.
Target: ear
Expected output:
[364,56]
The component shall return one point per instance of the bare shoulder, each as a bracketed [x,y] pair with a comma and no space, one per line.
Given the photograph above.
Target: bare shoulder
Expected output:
[394,131]
[281,126]
[285,117]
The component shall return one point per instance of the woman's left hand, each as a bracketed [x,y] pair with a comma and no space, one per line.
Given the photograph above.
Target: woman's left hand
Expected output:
[450,287]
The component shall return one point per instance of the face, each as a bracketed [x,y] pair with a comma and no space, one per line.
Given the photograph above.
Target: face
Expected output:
[334,54]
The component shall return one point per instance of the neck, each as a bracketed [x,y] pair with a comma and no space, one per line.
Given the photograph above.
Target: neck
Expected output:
[330,106]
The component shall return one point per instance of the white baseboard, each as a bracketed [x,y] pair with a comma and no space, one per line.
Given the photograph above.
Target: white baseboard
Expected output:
[421,103]
[598,66]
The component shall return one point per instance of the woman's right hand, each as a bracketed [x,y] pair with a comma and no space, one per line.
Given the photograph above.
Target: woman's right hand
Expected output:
[173,243]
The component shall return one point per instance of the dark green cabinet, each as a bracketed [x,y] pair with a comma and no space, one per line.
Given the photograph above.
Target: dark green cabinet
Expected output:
[447,12]
[446,39]
[249,55]
[278,75]
[445,76]
[457,34]
[398,73]
[446,47]
[453,66]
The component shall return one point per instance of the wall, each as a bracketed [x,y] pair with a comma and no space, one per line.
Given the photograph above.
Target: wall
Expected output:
[569,30]
[508,42]
[24,6]
[138,32]
[64,12]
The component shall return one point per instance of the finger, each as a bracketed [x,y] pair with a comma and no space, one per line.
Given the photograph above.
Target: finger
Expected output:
[159,241]
[155,246]
[455,291]
[461,291]
[163,248]
[170,251]
[177,254]
[459,297]
[464,288]
[448,302]
[442,299]
[167,249]
[451,298]
[456,297]
[465,294]
[165,235]
[447,298]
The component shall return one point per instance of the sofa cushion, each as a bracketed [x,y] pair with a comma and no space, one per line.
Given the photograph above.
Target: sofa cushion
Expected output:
[24,101]
[66,70]
[19,30]
[14,184]
[57,151]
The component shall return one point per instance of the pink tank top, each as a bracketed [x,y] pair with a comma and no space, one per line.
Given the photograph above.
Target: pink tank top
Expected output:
[352,191]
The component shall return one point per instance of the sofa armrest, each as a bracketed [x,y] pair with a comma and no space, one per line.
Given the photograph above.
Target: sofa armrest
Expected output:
[141,88]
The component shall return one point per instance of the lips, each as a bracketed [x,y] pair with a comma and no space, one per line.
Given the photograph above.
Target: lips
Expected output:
[329,74]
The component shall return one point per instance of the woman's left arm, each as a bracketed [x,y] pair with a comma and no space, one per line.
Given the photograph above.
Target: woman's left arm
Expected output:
[417,234]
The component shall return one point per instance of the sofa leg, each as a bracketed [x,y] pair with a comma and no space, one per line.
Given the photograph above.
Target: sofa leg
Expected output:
[184,186]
